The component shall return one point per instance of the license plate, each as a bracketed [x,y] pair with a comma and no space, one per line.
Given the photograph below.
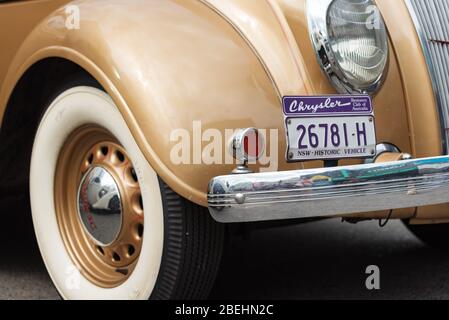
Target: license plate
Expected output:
[329,127]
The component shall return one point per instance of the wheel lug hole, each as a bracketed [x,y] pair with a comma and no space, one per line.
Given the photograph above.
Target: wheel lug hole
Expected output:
[116,257]
[137,203]
[120,156]
[131,250]
[139,230]
[133,175]
[140,203]
[104,150]
[100,250]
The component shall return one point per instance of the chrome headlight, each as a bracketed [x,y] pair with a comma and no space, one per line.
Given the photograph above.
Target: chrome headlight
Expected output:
[351,43]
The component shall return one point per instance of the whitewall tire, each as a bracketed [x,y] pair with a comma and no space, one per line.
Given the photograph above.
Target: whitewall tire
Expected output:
[153,273]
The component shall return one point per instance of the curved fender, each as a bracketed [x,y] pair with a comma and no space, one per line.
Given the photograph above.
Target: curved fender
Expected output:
[168,63]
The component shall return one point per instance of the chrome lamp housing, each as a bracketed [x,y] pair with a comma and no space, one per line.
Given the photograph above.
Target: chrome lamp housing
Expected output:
[351,43]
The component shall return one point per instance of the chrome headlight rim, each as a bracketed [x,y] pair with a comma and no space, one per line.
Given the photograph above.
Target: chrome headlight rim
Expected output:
[317,12]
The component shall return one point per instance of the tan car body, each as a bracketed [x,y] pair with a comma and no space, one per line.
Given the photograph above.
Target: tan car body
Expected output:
[167,63]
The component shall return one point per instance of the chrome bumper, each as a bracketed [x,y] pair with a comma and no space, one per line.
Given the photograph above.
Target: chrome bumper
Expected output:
[328,192]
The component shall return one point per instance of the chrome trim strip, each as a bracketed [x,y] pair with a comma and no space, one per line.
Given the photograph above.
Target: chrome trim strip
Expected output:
[328,192]
[425,44]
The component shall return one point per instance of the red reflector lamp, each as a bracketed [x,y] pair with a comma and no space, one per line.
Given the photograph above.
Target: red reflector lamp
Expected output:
[248,145]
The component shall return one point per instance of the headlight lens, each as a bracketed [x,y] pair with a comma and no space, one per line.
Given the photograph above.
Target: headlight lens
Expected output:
[351,42]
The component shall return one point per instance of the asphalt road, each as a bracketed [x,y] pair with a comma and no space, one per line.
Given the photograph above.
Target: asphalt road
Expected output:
[322,260]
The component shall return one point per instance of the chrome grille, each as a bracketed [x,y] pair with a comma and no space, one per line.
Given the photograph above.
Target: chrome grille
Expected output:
[431,18]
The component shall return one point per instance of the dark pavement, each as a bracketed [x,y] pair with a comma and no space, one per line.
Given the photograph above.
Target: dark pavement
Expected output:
[322,260]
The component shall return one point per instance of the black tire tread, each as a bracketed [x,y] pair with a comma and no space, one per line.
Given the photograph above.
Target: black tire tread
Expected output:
[193,245]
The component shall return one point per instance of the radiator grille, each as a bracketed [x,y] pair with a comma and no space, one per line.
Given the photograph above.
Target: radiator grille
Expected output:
[431,18]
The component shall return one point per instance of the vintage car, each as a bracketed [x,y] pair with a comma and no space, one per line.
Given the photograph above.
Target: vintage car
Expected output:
[147,130]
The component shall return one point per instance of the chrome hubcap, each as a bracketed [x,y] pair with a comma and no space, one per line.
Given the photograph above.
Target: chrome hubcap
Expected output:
[100,206]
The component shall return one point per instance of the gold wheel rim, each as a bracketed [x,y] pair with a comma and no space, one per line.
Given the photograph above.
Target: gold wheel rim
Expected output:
[104,265]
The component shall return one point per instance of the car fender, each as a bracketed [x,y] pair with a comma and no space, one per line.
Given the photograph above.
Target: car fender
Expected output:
[167,63]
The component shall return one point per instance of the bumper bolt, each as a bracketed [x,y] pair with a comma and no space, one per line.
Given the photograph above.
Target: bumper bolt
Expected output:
[240,198]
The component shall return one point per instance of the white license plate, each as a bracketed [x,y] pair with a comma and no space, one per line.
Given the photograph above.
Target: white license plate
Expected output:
[329,127]
[331,138]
